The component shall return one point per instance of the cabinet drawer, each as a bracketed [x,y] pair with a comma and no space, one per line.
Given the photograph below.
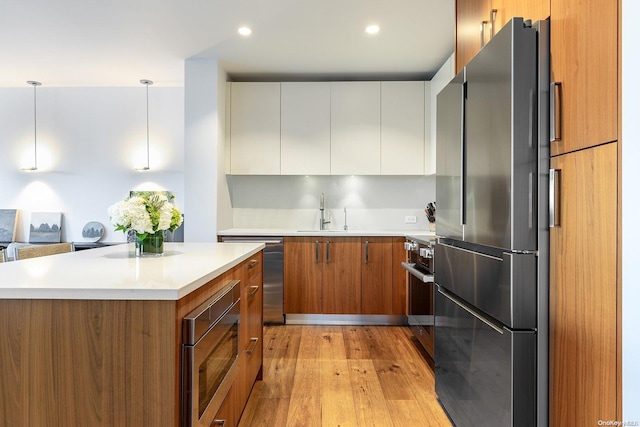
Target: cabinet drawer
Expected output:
[254,268]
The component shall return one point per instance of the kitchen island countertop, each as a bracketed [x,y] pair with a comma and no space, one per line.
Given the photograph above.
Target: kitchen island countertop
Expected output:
[114,273]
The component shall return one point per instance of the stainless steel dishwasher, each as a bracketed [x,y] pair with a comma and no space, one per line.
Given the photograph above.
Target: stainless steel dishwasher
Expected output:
[272,275]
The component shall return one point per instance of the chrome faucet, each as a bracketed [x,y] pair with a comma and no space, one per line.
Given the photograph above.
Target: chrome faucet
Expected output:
[345,219]
[322,220]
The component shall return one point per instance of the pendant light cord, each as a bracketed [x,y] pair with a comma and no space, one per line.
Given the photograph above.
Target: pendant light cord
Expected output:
[147,83]
[35,128]
[148,165]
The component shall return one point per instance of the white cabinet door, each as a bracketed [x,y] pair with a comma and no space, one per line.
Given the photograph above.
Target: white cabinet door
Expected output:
[306,128]
[255,128]
[403,128]
[355,128]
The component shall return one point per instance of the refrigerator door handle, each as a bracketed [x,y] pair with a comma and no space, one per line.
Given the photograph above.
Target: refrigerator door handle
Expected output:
[463,160]
[531,189]
[555,132]
[554,197]
[477,315]
[441,242]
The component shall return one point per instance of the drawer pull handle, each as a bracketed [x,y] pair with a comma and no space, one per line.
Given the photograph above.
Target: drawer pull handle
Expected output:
[253,290]
[219,422]
[254,342]
[253,263]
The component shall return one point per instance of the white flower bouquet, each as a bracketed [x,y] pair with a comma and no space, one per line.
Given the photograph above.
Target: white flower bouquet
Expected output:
[146,214]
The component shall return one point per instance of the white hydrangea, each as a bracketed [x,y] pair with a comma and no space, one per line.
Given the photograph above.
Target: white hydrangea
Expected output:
[144,214]
[166,213]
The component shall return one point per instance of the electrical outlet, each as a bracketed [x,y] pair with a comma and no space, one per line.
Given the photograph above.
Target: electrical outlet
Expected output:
[410,219]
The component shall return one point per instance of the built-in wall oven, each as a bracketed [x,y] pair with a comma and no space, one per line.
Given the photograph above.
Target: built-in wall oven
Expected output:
[421,292]
[209,355]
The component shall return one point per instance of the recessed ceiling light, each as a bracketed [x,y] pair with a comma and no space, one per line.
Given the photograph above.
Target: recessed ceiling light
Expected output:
[245,31]
[372,29]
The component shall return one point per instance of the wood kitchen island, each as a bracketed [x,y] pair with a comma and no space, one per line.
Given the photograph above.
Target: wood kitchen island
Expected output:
[93,338]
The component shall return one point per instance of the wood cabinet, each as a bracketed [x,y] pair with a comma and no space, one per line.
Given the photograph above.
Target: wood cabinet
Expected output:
[355,128]
[377,275]
[255,128]
[402,128]
[341,290]
[400,278]
[306,128]
[584,63]
[302,275]
[250,334]
[472,17]
[320,275]
[358,275]
[478,20]
[229,413]
[583,358]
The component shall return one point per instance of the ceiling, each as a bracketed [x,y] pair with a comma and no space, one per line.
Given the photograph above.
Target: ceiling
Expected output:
[119,42]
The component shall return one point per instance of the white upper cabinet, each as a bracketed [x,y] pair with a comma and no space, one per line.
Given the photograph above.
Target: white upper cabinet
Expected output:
[403,128]
[306,128]
[355,128]
[255,128]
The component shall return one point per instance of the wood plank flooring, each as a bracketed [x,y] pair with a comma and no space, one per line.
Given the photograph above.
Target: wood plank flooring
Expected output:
[343,376]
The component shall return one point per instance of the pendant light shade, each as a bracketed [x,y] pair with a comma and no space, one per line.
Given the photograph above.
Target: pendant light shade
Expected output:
[146,83]
[35,128]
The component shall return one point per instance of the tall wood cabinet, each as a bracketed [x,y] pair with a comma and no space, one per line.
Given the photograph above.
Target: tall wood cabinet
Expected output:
[584,64]
[478,20]
[584,362]
[583,290]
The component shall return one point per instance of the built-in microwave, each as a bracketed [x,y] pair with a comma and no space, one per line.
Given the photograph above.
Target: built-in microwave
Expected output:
[209,356]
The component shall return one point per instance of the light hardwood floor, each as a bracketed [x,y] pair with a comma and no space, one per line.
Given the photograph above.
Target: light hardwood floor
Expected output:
[343,376]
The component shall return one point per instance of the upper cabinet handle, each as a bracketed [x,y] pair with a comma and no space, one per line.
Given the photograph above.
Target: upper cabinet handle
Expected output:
[492,18]
[555,131]
[482,27]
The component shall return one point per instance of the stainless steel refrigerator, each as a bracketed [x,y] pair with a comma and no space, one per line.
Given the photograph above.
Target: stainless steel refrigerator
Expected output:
[491,256]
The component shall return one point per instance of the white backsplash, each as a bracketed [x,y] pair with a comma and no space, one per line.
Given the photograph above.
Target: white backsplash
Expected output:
[293,202]
[309,219]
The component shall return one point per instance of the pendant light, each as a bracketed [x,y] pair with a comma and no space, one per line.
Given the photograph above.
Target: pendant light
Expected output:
[35,128]
[146,83]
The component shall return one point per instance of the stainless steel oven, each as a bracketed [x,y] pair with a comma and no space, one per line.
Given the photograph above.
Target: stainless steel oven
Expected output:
[209,355]
[421,292]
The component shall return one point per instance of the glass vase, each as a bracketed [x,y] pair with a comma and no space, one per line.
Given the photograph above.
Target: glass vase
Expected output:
[151,245]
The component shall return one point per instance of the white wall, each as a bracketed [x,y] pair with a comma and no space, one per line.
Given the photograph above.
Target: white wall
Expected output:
[630,208]
[89,141]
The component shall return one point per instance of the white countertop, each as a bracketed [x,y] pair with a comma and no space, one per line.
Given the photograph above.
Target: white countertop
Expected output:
[276,232]
[114,272]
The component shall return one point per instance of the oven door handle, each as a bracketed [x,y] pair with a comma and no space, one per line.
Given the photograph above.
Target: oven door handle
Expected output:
[425,278]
